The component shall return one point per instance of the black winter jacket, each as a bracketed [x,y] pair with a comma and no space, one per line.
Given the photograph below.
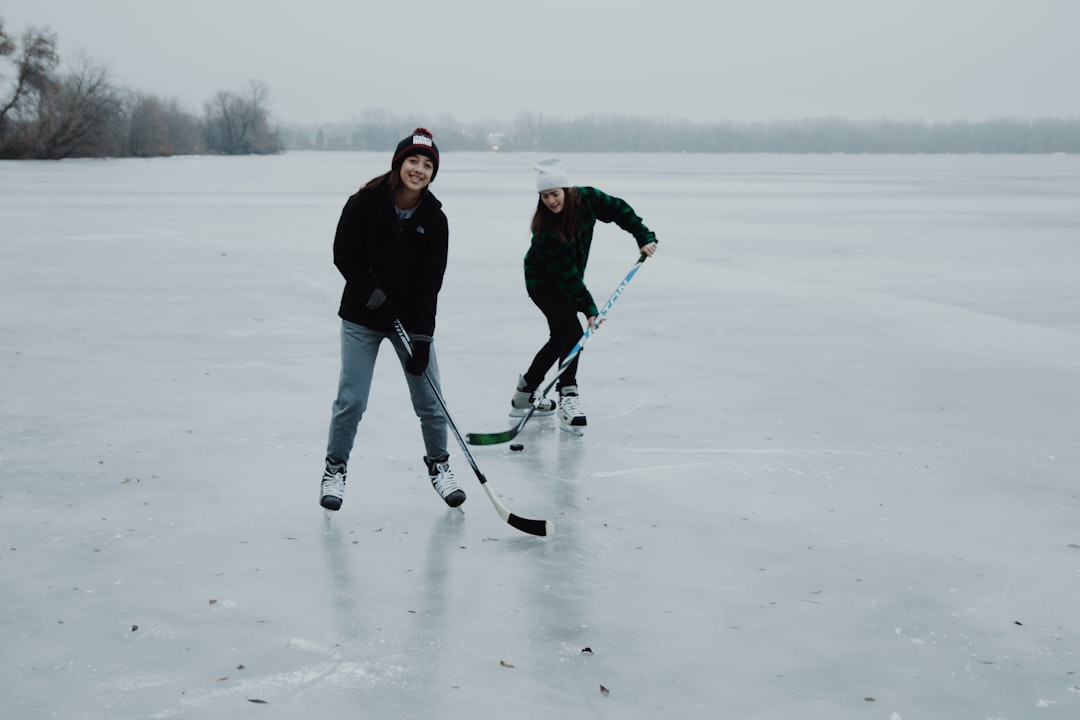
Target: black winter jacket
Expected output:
[406,260]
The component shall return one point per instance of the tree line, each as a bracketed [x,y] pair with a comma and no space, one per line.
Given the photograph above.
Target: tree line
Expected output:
[48,112]
[611,133]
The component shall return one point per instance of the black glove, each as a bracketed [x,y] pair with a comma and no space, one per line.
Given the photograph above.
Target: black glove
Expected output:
[421,354]
[381,307]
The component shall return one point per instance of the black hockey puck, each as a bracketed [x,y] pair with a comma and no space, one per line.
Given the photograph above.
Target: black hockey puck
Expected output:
[517,447]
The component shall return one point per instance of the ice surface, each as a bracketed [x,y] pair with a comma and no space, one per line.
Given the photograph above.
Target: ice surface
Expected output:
[830,471]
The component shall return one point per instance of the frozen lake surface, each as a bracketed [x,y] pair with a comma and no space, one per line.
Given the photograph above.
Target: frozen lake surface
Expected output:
[831,469]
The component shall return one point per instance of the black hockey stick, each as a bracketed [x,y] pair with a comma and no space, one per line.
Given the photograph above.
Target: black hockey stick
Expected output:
[533,527]
[508,435]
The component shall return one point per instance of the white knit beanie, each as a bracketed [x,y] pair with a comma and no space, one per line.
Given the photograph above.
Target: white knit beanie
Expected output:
[551,175]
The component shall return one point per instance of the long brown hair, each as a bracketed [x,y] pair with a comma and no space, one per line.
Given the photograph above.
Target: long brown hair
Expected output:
[562,224]
[391,177]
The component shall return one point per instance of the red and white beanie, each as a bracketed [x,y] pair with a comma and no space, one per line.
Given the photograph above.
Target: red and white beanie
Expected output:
[420,142]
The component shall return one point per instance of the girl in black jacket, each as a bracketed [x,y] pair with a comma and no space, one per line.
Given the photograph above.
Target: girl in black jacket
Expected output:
[391,247]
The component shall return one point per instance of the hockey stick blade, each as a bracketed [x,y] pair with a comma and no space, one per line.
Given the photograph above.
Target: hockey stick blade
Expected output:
[542,528]
[491,438]
[505,435]
[500,437]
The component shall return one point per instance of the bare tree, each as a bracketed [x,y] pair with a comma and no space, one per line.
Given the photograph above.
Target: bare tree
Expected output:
[238,124]
[185,131]
[156,127]
[7,45]
[34,60]
[147,132]
[79,117]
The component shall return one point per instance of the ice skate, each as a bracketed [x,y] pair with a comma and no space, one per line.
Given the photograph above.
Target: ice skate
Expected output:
[333,486]
[571,416]
[442,479]
[524,398]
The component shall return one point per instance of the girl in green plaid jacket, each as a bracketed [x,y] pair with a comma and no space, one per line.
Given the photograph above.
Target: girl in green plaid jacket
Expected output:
[562,233]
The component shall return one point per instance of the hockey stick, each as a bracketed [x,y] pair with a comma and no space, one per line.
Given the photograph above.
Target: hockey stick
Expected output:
[533,527]
[508,435]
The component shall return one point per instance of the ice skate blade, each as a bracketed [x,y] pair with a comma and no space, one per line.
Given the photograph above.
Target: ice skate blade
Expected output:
[519,412]
[571,429]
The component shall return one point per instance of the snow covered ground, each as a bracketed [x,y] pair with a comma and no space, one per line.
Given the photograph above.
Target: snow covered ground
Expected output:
[830,472]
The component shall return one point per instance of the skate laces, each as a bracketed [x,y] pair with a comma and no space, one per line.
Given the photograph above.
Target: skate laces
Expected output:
[571,405]
[333,482]
[443,479]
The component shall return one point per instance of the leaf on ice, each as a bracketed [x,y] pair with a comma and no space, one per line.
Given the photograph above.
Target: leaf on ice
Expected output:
[258,701]
[604,690]
[505,664]
[212,602]
[586,651]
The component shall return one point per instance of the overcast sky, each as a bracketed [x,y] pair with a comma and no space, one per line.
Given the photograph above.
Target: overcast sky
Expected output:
[330,60]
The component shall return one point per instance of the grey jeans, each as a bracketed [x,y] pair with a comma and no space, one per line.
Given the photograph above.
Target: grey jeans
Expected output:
[359,348]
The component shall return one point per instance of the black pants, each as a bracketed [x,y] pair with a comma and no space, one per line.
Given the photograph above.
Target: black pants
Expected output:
[565,330]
